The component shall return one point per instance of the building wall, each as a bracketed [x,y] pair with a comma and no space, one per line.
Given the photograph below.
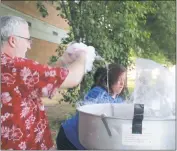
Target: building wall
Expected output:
[29,8]
[41,50]
[44,42]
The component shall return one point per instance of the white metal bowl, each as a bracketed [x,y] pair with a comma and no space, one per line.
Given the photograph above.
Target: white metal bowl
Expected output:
[115,132]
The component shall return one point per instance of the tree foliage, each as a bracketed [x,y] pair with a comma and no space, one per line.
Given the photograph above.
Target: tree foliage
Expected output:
[42,9]
[118,28]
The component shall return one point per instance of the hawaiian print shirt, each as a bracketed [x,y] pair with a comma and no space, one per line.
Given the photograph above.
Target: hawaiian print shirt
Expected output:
[24,125]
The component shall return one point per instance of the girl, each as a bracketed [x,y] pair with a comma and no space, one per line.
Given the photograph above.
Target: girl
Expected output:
[68,138]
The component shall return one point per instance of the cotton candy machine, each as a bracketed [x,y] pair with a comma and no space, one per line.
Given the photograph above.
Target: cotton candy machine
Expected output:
[144,122]
[126,130]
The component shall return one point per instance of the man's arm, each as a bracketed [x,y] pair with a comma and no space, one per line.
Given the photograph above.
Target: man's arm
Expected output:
[76,70]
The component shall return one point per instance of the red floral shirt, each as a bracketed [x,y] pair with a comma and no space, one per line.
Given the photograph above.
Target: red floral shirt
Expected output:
[24,125]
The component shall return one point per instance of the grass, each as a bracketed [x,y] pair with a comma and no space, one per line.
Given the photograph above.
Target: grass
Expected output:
[57,113]
[131,85]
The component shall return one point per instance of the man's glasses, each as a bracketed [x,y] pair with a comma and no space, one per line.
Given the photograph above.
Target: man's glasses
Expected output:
[29,39]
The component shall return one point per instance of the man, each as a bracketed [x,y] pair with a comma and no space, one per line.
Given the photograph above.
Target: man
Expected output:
[24,125]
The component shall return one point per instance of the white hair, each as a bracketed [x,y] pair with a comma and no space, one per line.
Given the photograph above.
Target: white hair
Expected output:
[10,25]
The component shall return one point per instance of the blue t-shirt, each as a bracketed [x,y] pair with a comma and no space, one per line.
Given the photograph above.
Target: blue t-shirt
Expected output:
[95,95]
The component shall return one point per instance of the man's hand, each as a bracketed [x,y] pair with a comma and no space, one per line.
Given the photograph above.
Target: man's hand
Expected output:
[76,71]
[69,58]
[73,51]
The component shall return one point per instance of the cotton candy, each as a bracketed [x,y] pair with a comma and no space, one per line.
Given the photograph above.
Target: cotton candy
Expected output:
[90,54]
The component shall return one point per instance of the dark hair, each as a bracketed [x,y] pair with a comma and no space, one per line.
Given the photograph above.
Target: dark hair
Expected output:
[99,76]
[114,72]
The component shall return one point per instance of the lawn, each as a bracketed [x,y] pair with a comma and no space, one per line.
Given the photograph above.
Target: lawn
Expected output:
[131,85]
[57,113]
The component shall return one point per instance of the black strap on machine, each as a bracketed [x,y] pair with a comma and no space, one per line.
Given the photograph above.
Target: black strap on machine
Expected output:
[137,119]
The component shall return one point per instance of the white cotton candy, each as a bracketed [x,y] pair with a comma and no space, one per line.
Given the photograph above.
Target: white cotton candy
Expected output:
[90,58]
[76,47]
[90,52]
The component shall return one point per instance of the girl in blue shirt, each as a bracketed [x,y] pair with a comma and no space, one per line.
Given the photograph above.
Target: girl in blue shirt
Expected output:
[68,138]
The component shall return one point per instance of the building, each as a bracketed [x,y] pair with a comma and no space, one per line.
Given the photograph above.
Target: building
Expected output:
[46,32]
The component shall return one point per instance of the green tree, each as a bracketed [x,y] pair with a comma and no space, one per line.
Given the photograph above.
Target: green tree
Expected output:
[116,28]
[161,25]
